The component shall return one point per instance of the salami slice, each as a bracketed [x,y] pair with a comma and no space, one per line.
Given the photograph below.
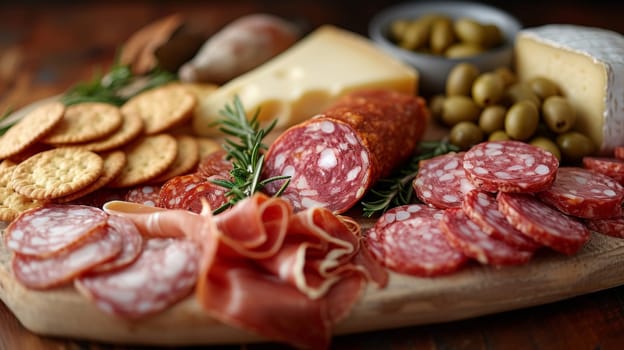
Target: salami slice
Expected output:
[584,194]
[613,227]
[214,194]
[43,273]
[48,230]
[441,181]
[215,164]
[163,274]
[467,237]
[510,166]
[145,194]
[613,168]
[408,239]
[131,241]
[543,223]
[619,152]
[482,208]
[334,158]
[173,191]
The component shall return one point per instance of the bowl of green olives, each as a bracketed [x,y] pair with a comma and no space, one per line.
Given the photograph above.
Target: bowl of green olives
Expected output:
[435,36]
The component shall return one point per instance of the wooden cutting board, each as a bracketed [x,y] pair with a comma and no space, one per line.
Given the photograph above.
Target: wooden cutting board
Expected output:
[475,290]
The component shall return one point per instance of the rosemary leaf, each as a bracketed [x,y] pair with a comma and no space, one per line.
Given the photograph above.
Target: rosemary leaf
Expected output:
[397,190]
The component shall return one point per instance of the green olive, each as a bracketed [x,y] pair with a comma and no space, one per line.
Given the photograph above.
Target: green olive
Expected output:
[436,105]
[508,76]
[470,31]
[499,135]
[521,120]
[493,35]
[461,78]
[462,50]
[465,135]
[547,144]
[543,87]
[416,35]
[574,146]
[458,108]
[558,114]
[520,92]
[398,28]
[488,89]
[492,118]
[442,35]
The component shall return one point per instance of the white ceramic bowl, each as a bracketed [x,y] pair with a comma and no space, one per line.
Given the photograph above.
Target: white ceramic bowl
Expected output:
[433,69]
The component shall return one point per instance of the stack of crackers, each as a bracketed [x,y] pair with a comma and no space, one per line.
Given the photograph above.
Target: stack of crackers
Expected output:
[60,154]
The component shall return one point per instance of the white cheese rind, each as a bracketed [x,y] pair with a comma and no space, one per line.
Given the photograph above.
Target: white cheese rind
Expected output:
[555,51]
[307,78]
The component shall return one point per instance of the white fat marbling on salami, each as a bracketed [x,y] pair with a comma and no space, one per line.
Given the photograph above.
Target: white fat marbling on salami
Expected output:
[611,227]
[543,223]
[322,173]
[162,275]
[466,236]
[441,181]
[482,208]
[509,166]
[145,194]
[408,239]
[50,229]
[41,273]
[584,194]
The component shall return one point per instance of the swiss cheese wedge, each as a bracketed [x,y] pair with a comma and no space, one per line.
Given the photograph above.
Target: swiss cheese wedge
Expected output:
[307,78]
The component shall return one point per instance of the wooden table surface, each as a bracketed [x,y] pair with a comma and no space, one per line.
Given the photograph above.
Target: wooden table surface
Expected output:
[47,47]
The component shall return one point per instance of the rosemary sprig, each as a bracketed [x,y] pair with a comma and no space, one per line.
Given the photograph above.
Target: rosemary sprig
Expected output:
[397,190]
[116,86]
[246,153]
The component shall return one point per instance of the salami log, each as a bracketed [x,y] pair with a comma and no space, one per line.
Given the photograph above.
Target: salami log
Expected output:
[41,273]
[482,208]
[543,223]
[613,227]
[163,274]
[441,181]
[584,194]
[510,166]
[335,157]
[50,229]
[408,239]
[613,168]
[467,237]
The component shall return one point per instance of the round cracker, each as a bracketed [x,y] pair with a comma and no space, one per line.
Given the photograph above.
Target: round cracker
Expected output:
[30,129]
[56,173]
[207,146]
[130,129]
[162,107]
[11,202]
[147,158]
[185,161]
[85,122]
[113,165]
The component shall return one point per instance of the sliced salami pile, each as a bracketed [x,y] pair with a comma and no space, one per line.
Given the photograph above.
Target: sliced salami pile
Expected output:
[496,204]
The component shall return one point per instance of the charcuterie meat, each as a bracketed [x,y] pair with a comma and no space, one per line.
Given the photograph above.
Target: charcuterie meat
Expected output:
[408,239]
[482,208]
[334,158]
[613,168]
[144,194]
[131,241]
[173,191]
[543,223]
[441,181]
[584,194]
[611,227]
[163,274]
[510,166]
[466,236]
[47,230]
[214,195]
[619,152]
[215,163]
[41,273]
